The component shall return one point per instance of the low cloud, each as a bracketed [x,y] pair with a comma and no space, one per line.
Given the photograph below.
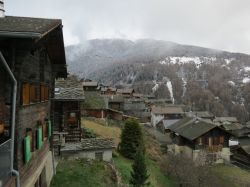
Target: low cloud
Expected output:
[221,24]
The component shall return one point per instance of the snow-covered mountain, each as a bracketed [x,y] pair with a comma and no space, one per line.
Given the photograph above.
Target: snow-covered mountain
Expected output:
[201,78]
[94,55]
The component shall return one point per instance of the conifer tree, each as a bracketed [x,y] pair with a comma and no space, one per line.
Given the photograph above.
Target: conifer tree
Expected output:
[139,175]
[131,139]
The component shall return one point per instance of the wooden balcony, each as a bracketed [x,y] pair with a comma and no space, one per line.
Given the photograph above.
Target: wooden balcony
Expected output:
[214,148]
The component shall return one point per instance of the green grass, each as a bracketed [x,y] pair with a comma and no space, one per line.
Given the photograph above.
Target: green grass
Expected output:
[124,166]
[78,173]
[232,175]
[156,178]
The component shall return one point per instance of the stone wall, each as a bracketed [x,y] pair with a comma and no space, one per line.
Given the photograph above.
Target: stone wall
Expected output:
[107,154]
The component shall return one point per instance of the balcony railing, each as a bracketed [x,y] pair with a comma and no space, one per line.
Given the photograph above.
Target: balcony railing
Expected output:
[211,148]
[5,161]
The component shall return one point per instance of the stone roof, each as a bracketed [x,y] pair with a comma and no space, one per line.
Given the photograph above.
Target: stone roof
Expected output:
[68,89]
[89,144]
[225,119]
[28,25]
[167,110]
[37,28]
[244,132]
[168,122]
[92,83]
[200,114]
[116,99]
[125,91]
[230,126]
[191,128]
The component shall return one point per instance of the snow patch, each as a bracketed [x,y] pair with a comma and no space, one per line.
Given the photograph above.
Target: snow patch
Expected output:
[246,80]
[247,68]
[183,60]
[231,83]
[228,61]
[155,87]
[170,89]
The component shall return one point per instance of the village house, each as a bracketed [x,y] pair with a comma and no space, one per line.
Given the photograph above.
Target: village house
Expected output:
[201,114]
[116,102]
[66,111]
[241,147]
[228,123]
[91,148]
[90,86]
[137,108]
[159,113]
[108,91]
[31,57]
[199,140]
[126,92]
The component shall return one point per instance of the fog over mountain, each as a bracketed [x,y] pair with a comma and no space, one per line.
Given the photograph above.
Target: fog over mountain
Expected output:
[85,59]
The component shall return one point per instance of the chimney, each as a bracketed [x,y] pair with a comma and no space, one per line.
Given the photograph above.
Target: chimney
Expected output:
[2,15]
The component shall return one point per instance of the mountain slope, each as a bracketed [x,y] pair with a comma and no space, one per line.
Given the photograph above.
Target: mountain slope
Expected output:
[94,55]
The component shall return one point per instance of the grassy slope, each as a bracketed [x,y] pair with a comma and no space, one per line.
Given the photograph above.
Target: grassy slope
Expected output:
[232,175]
[103,131]
[77,174]
[157,178]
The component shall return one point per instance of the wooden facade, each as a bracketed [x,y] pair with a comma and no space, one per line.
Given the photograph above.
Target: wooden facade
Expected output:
[67,118]
[212,141]
[35,63]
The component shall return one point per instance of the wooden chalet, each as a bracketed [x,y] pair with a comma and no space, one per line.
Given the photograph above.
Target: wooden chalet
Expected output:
[108,91]
[126,92]
[67,111]
[228,123]
[159,113]
[241,151]
[31,57]
[90,86]
[116,102]
[200,140]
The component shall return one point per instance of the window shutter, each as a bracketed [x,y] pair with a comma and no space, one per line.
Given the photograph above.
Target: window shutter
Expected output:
[46,93]
[39,141]
[42,93]
[27,152]
[25,94]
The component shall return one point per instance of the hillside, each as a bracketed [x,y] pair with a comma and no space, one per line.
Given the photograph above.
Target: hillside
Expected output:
[93,55]
[202,78]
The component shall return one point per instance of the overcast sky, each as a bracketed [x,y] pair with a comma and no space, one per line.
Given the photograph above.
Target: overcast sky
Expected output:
[220,24]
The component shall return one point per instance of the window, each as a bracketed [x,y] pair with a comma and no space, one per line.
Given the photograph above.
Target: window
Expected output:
[49,128]
[99,155]
[221,140]
[30,134]
[44,128]
[34,93]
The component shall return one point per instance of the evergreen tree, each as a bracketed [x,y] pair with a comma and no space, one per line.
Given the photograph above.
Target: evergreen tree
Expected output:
[139,175]
[131,139]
